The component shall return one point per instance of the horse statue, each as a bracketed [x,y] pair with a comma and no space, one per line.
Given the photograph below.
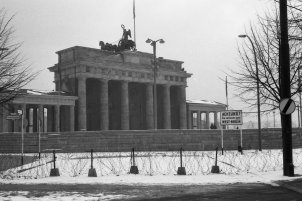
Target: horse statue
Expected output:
[123,44]
[108,46]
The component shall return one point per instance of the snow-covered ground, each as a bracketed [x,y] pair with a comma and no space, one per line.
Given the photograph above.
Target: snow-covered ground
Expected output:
[264,177]
[156,168]
[135,181]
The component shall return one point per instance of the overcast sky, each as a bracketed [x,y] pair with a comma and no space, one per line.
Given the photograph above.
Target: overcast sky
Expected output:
[202,33]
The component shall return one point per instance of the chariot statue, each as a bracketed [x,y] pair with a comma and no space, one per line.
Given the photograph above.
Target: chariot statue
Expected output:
[123,44]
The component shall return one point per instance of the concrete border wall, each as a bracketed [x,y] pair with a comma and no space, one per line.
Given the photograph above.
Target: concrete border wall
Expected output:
[150,140]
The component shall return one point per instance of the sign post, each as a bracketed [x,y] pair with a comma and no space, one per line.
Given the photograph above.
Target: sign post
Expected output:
[221,140]
[285,87]
[16,116]
[39,128]
[20,113]
[231,117]
[240,147]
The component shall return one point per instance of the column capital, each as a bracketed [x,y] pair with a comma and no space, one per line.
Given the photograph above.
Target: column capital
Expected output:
[82,78]
[102,80]
[124,81]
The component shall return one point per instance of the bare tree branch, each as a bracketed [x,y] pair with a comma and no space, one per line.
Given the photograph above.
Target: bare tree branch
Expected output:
[14,73]
[265,37]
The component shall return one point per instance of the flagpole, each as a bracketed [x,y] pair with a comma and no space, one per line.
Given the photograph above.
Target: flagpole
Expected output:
[134,23]
[226,92]
[226,95]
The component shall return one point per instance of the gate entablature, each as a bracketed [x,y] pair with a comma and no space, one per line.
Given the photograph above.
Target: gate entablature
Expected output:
[128,65]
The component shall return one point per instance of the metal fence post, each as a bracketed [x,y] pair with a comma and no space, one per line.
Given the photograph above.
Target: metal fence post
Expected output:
[92,171]
[133,168]
[181,170]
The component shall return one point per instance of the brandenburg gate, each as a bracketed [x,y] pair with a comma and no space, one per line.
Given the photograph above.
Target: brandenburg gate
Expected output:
[115,90]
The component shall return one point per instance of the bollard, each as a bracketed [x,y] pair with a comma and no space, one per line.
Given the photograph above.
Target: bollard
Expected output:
[215,168]
[55,171]
[92,171]
[133,168]
[181,170]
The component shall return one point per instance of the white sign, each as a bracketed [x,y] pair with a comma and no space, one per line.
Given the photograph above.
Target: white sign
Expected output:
[13,116]
[20,112]
[231,117]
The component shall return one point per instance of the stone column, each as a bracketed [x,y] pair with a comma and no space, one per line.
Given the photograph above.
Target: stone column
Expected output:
[182,108]
[104,108]
[35,119]
[4,120]
[167,107]
[189,119]
[204,120]
[207,120]
[50,118]
[57,118]
[124,106]
[71,118]
[40,122]
[198,120]
[30,119]
[215,119]
[149,106]
[82,115]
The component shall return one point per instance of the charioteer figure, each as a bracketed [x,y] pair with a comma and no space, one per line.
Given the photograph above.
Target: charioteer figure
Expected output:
[123,44]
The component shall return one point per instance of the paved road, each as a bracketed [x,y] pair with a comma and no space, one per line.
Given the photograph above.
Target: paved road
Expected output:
[246,192]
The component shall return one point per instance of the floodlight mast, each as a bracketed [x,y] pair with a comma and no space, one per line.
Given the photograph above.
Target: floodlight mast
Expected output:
[153,43]
[258,90]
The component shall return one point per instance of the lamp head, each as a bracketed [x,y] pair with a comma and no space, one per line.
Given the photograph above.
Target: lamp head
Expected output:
[161,41]
[148,40]
[242,36]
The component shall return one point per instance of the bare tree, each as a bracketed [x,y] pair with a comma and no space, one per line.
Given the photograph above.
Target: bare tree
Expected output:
[265,36]
[14,73]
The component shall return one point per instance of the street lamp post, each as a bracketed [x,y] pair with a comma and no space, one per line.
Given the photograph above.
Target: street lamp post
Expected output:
[285,79]
[153,43]
[258,94]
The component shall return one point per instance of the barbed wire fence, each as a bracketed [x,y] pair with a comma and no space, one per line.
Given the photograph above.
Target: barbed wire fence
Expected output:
[148,163]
